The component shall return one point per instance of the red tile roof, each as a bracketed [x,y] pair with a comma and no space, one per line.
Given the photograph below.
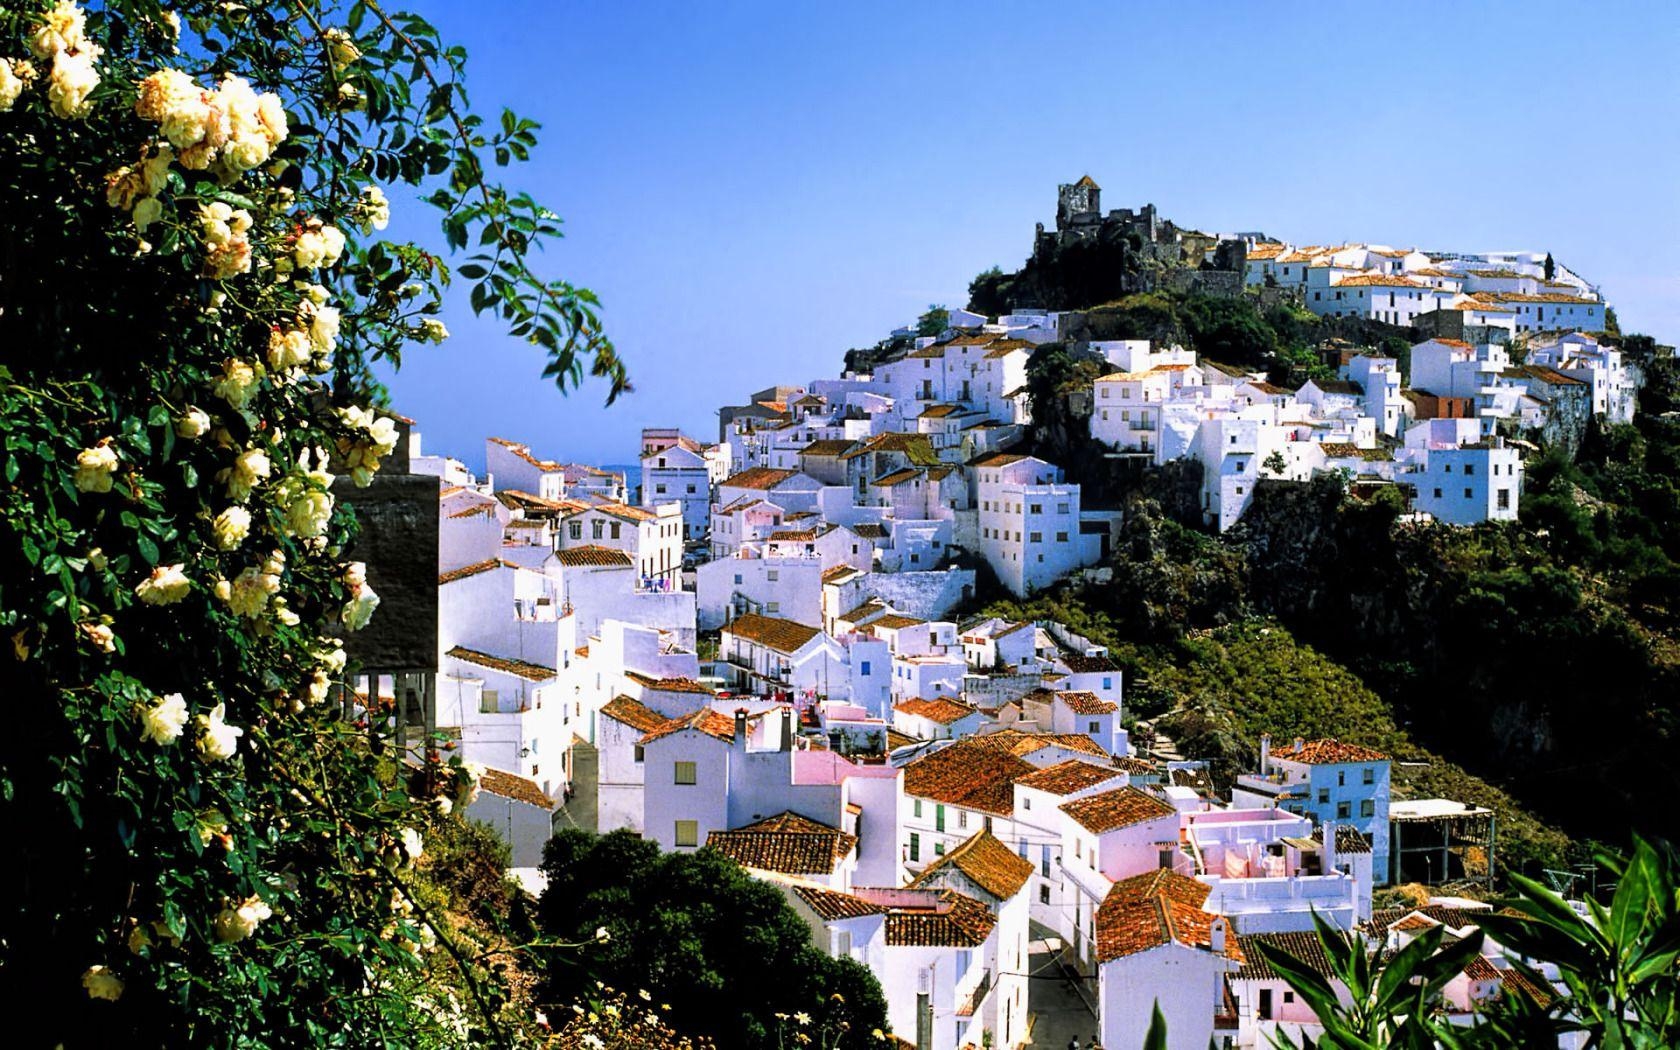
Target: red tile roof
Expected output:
[592,554]
[959,922]
[668,685]
[832,904]
[714,724]
[519,668]
[942,710]
[986,862]
[787,842]
[1327,752]
[1161,907]
[1020,743]
[1084,702]
[633,713]
[967,774]
[759,478]
[1302,944]
[1064,778]
[474,569]
[507,785]
[784,636]
[1119,808]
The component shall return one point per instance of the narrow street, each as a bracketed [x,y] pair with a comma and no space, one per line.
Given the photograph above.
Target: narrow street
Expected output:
[1059,1011]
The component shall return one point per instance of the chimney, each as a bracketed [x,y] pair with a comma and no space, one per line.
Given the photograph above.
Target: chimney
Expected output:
[740,725]
[1329,846]
[1300,742]
[1216,935]
[1265,753]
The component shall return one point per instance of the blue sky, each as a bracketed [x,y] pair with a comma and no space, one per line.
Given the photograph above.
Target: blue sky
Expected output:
[752,188]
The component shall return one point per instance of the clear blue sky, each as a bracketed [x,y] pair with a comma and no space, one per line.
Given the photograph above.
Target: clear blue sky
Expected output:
[754,188]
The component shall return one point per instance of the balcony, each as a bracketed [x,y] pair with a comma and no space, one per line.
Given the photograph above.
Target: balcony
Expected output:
[968,1005]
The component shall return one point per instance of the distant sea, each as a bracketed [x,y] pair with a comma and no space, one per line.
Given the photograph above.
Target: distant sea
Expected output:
[632,479]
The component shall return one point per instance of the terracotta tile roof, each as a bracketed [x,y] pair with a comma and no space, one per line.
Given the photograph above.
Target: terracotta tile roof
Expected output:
[1480,969]
[870,530]
[940,709]
[520,668]
[1456,918]
[1376,280]
[1326,752]
[926,353]
[959,922]
[839,573]
[1021,743]
[1158,908]
[939,411]
[1119,808]
[1005,347]
[916,447]
[793,536]
[896,740]
[1412,923]
[788,843]
[833,905]
[633,713]
[1543,297]
[1337,386]
[714,724]
[592,554]
[998,459]
[517,788]
[987,862]
[1064,778]
[784,636]
[897,477]
[1348,840]
[1078,663]
[828,447]
[1266,250]
[975,339]
[967,774]
[1550,376]
[867,609]
[625,511]
[668,685]
[1084,702]
[898,622]
[474,569]
[758,478]
[1302,944]
[473,511]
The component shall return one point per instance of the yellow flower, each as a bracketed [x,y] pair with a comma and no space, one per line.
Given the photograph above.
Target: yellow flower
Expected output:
[166,585]
[217,740]
[163,722]
[238,919]
[101,983]
[11,85]
[95,466]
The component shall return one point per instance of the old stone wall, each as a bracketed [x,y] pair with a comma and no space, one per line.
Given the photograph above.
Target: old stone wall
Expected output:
[926,595]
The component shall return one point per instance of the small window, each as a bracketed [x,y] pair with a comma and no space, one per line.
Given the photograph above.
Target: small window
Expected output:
[661,489]
[1044,893]
[684,773]
[1368,808]
[915,847]
[688,833]
[1368,775]
[916,807]
[1093,727]
[638,752]
[1323,795]
[863,668]
[1026,803]
[939,849]
[1344,810]
[488,701]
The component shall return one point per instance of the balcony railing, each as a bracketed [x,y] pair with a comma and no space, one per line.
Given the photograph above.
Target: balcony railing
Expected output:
[970,1004]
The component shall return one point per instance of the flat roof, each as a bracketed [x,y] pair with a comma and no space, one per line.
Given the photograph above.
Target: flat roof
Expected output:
[1433,809]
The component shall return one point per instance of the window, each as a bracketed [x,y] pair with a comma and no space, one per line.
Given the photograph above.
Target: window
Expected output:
[1061,508]
[688,833]
[1368,775]
[638,752]
[1044,894]
[1437,493]
[916,807]
[1061,537]
[685,773]
[1341,778]
[576,529]
[661,489]
[738,575]
[773,575]
[773,607]
[1467,494]
[1093,727]
[1026,803]
[1503,499]
[595,528]
[487,701]
[939,849]
[1368,808]
[915,847]
[1323,795]
[1469,468]
[962,818]
[1035,508]
[863,668]
[1035,537]
[690,490]
[1344,810]
[939,818]
[615,530]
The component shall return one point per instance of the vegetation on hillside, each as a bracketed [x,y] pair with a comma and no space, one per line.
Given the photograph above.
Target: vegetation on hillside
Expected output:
[693,930]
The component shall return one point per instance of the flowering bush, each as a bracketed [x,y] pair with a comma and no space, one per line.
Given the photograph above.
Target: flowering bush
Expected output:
[191,298]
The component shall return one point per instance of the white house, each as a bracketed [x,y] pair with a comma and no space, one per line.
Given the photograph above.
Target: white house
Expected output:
[1335,782]
[1029,522]
[679,473]
[652,537]
[789,587]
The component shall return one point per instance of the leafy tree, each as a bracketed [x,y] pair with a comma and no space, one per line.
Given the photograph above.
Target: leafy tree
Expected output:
[695,931]
[193,292]
[936,320]
[989,292]
[1551,267]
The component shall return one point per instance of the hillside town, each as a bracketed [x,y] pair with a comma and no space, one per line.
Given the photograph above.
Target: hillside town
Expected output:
[762,647]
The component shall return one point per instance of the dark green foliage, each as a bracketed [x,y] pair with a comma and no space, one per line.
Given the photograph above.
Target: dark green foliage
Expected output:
[724,950]
[936,320]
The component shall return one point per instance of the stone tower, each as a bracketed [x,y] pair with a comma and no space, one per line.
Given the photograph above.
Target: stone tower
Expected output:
[1081,199]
